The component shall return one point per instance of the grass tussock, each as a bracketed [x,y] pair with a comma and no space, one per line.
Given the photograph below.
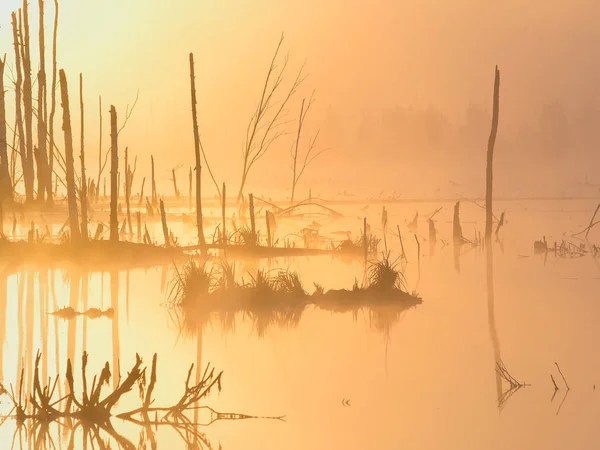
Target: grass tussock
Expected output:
[279,297]
[385,276]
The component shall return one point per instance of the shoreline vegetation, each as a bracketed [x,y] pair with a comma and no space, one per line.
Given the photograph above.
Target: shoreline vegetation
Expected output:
[280,297]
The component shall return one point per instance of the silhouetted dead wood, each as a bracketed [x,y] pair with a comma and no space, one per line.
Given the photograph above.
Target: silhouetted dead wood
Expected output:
[6,192]
[114,169]
[154,195]
[28,174]
[18,102]
[39,405]
[310,155]
[201,240]
[587,229]
[97,193]
[165,228]
[50,196]
[84,187]
[265,126]
[42,112]
[513,384]
[70,175]
[490,158]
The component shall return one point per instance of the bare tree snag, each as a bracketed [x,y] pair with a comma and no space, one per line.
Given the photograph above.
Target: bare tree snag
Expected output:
[53,109]
[84,202]
[18,96]
[28,175]
[70,169]
[6,193]
[201,239]
[42,113]
[310,154]
[154,196]
[490,159]
[114,169]
[265,125]
[163,219]
[99,147]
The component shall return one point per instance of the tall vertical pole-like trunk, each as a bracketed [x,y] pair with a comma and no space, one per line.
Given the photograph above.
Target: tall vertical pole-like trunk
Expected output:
[224,204]
[252,220]
[175,184]
[99,148]
[69,160]
[52,109]
[28,174]
[84,203]
[18,94]
[191,183]
[128,190]
[42,156]
[40,150]
[114,169]
[295,152]
[201,240]
[457,234]
[163,219]
[154,196]
[490,159]
[5,183]
[268,228]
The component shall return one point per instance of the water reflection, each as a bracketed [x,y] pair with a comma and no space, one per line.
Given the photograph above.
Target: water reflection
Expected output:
[492,320]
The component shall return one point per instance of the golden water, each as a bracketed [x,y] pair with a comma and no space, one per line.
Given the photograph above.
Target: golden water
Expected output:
[426,381]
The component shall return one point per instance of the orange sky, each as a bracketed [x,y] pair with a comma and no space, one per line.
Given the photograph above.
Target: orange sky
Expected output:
[359,55]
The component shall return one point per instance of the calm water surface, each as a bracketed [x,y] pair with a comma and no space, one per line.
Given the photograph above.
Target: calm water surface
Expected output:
[423,380]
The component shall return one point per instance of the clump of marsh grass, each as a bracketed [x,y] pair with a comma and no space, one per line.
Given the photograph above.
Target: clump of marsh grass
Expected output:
[261,283]
[191,282]
[286,282]
[385,275]
[224,280]
[245,236]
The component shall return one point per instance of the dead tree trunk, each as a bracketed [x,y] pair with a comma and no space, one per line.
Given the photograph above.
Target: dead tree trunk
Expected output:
[114,169]
[99,148]
[69,160]
[252,222]
[224,204]
[201,240]
[142,192]
[6,193]
[49,192]
[490,159]
[42,156]
[28,175]
[190,190]
[154,196]
[457,233]
[175,184]
[163,219]
[18,96]
[268,229]
[128,190]
[84,203]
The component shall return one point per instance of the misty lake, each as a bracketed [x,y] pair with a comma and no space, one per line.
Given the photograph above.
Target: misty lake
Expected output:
[422,379]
